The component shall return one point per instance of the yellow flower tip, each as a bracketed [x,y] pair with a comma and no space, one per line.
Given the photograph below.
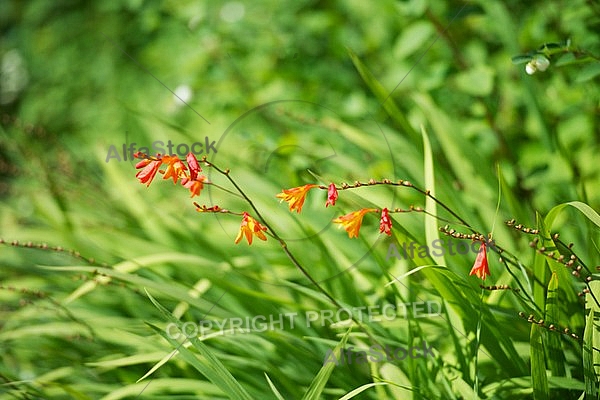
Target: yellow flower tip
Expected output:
[239,237]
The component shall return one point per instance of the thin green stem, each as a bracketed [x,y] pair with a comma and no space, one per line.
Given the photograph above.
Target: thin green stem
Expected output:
[284,246]
[427,193]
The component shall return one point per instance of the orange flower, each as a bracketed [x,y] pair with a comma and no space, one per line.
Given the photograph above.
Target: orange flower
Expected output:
[194,185]
[248,227]
[149,172]
[175,169]
[332,195]
[385,225]
[352,222]
[481,268]
[295,196]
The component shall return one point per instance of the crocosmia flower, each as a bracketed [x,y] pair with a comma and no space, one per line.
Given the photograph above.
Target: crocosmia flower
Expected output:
[193,165]
[250,227]
[385,225]
[332,195]
[295,196]
[175,168]
[481,268]
[194,185]
[352,222]
[150,168]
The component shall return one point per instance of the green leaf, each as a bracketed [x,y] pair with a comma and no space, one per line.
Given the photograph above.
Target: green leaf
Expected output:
[582,207]
[456,293]
[551,48]
[588,72]
[521,59]
[565,59]
[545,226]
[478,81]
[539,379]
[413,37]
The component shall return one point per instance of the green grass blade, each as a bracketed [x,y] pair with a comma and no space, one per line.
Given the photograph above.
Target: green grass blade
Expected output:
[210,366]
[361,389]
[171,289]
[562,273]
[582,207]
[273,388]
[591,339]
[382,95]
[589,374]
[539,379]
[320,380]
[556,357]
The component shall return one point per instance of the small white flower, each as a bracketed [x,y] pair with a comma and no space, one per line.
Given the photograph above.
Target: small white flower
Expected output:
[539,62]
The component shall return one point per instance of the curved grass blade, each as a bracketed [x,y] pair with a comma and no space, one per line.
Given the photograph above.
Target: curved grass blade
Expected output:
[211,367]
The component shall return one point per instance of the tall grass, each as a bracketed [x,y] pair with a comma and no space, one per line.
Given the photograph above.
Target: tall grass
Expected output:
[98,270]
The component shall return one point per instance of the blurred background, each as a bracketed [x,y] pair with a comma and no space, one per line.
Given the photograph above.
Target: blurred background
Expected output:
[291,92]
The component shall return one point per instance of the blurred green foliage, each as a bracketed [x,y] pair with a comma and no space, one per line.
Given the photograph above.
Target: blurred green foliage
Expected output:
[293,92]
